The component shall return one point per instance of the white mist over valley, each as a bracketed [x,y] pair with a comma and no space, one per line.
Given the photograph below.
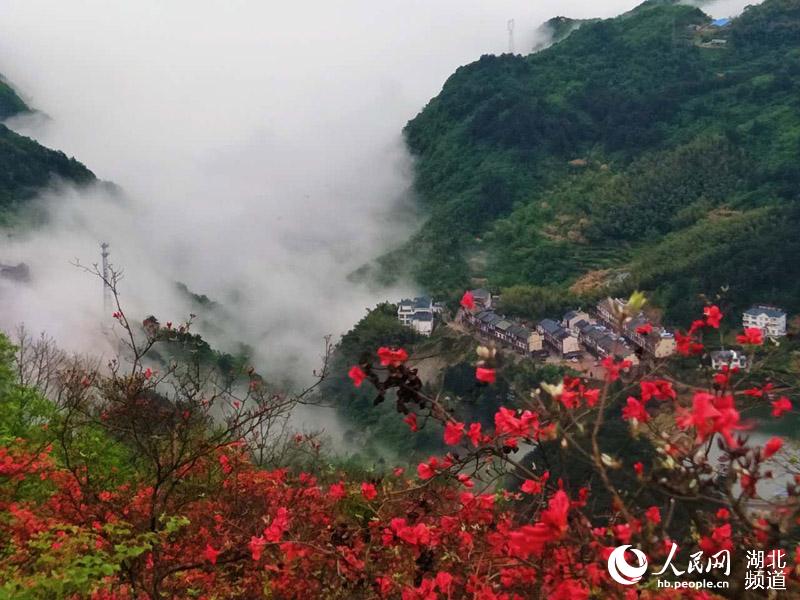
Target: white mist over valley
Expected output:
[258,146]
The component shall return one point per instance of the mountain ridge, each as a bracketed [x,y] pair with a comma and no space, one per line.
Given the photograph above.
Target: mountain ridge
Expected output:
[608,148]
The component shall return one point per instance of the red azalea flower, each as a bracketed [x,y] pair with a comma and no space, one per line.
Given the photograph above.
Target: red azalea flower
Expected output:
[752,335]
[337,491]
[661,389]
[428,469]
[485,375]
[443,581]
[686,345]
[772,446]
[758,392]
[613,368]
[210,554]
[713,316]
[591,396]
[645,329]
[368,491]
[722,379]
[384,585]
[453,432]
[710,415]
[393,357]
[639,469]
[474,434]
[411,420]
[256,546]
[357,374]
[635,410]
[468,300]
[535,486]
[720,539]
[653,514]
[697,324]
[780,406]
[569,399]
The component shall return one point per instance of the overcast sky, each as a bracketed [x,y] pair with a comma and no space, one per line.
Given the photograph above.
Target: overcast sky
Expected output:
[258,143]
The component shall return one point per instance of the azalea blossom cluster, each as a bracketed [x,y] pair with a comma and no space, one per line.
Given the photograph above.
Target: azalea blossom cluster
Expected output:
[494,515]
[679,423]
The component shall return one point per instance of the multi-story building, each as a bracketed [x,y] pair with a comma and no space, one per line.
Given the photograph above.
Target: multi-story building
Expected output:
[482,298]
[574,318]
[603,342]
[658,342]
[505,330]
[560,338]
[769,319]
[417,313]
[525,340]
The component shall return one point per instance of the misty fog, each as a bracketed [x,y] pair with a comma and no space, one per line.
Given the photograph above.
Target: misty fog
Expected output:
[257,143]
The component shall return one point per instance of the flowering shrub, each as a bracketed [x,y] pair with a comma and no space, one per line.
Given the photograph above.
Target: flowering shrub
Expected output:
[188,510]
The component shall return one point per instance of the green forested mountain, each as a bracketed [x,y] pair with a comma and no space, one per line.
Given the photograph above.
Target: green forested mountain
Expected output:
[10,103]
[25,165]
[652,150]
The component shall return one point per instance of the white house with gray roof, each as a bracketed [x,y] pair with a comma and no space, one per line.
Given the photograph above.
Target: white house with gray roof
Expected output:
[769,319]
[417,314]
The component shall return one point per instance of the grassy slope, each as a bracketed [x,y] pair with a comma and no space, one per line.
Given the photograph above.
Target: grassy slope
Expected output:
[691,174]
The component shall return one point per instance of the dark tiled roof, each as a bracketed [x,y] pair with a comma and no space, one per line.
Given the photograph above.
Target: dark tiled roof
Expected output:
[550,326]
[422,302]
[771,311]
[504,325]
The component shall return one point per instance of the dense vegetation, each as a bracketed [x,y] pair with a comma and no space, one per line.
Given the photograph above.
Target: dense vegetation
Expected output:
[26,166]
[10,103]
[627,155]
[130,482]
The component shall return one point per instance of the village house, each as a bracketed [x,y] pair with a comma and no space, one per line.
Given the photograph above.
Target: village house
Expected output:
[658,343]
[560,338]
[574,318]
[730,359]
[417,314]
[525,340]
[506,331]
[769,319]
[482,298]
[603,342]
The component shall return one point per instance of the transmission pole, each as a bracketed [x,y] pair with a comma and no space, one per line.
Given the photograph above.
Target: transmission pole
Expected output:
[510,26]
[106,279]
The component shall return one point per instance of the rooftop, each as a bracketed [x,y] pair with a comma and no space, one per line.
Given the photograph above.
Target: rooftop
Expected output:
[763,309]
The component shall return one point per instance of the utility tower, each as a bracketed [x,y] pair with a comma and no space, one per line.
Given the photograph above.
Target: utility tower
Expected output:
[510,26]
[106,279]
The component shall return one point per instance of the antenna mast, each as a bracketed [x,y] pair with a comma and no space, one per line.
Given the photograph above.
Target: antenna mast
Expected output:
[106,282]
[510,26]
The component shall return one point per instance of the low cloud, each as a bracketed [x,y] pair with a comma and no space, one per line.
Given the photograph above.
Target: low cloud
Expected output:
[258,146]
